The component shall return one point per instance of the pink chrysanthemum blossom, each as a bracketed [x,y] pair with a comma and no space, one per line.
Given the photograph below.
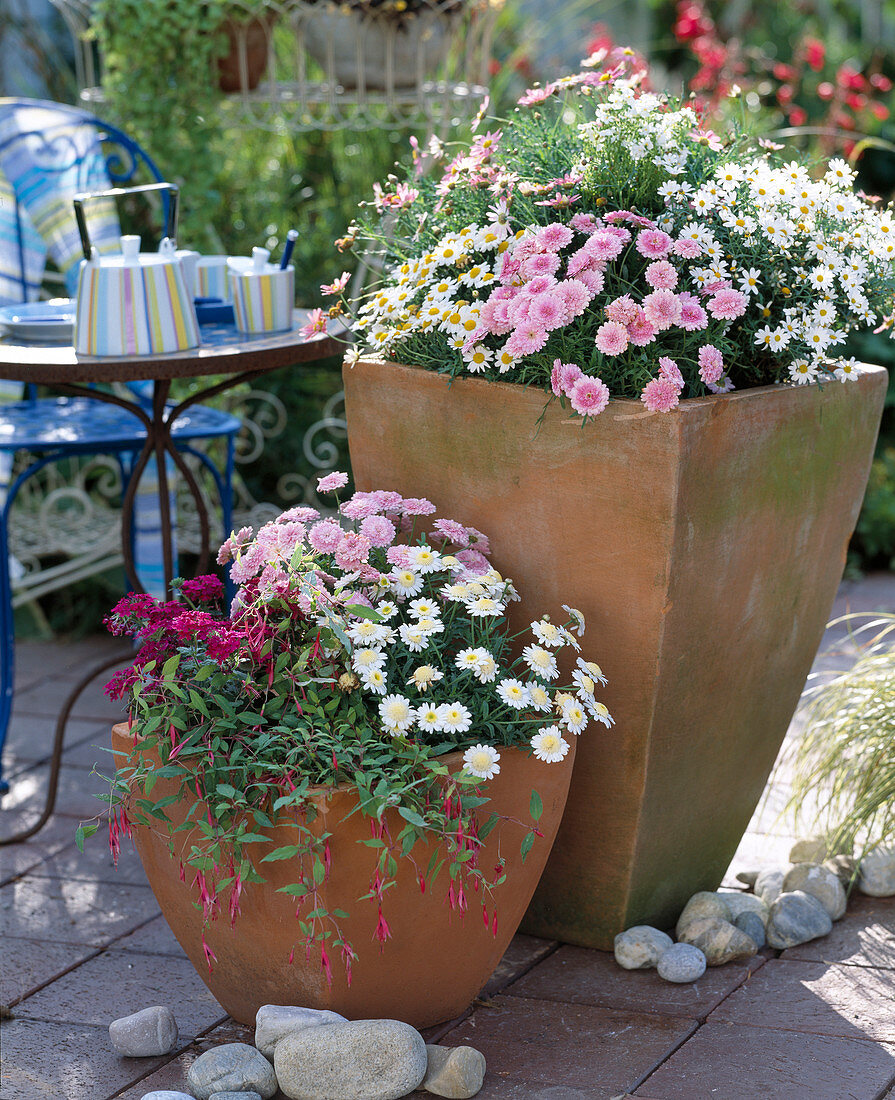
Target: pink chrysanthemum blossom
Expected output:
[728,304]
[300,514]
[508,269]
[661,275]
[603,246]
[554,237]
[452,531]
[358,509]
[687,248]
[671,371]
[589,396]
[379,530]
[575,295]
[612,338]
[660,395]
[475,561]
[539,284]
[233,543]
[544,263]
[399,556]
[623,309]
[386,500]
[584,223]
[711,364]
[325,536]
[653,244]
[578,261]
[526,340]
[417,506]
[619,232]
[525,248]
[478,540]
[497,319]
[563,377]
[592,278]
[330,482]
[693,316]
[629,216]
[662,309]
[547,310]
[640,331]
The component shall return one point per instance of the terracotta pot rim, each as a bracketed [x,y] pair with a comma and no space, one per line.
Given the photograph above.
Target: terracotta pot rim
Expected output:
[686,404]
[319,791]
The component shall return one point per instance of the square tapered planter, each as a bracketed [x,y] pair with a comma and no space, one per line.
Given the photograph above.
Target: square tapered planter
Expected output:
[704,546]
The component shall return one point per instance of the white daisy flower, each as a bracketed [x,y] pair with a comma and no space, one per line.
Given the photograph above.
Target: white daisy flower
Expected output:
[454,717]
[456,593]
[362,660]
[482,761]
[396,713]
[366,631]
[422,608]
[573,717]
[486,672]
[428,719]
[374,680]
[601,714]
[467,660]
[584,683]
[514,693]
[547,633]
[539,697]
[415,639]
[577,616]
[424,677]
[430,626]
[549,745]
[592,670]
[424,558]
[406,582]
[484,606]
[541,661]
[386,608]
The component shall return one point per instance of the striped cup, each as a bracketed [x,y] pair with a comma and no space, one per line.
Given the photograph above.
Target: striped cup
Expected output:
[263,301]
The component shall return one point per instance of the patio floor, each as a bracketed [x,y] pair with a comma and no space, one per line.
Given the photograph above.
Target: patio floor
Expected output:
[84,943]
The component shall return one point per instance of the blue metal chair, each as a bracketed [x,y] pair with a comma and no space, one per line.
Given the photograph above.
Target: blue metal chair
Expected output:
[48,153]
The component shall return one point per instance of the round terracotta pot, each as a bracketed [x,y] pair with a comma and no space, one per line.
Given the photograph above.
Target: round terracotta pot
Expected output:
[255,33]
[436,960]
[704,546]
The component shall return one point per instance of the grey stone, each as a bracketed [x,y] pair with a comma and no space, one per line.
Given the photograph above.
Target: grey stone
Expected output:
[358,1060]
[808,849]
[877,874]
[681,963]
[753,926]
[720,941]
[747,877]
[796,918]
[236,1095]
[145,1034]
[273,1022]
[821,883]
[233,1067]
[704,905]
[166,1094]
[456,1072]
[844,867]
[738,902]
[639,947]
[769,885]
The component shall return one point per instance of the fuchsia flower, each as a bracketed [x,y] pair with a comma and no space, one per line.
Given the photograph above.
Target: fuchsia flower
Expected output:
[589,396]
[612,338]
[660,395]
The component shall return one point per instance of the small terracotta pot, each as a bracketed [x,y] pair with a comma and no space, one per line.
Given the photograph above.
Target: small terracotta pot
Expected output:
[435,962]
[704,546]
[256,34]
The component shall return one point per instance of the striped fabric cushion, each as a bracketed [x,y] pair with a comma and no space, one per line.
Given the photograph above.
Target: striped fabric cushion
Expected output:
[48,156]
[33,250]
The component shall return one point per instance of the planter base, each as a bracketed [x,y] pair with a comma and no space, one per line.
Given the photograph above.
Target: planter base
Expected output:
[704,546]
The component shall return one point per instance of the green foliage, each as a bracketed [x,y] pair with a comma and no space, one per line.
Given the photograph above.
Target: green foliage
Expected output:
[844,762]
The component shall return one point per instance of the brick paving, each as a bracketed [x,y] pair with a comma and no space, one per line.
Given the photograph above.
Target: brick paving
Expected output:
[84,943]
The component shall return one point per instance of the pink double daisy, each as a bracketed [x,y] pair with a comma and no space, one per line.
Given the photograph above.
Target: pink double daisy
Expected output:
[589,396]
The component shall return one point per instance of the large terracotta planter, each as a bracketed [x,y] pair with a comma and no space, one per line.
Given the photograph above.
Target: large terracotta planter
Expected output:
[704,546]
[435,962]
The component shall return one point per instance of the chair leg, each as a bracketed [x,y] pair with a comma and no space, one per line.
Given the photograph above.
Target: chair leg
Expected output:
[7,644]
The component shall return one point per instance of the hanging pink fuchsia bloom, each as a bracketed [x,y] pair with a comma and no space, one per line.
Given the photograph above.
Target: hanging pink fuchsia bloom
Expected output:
[337,286]
[316,323]
[669,370]
[329,483]
[612,338]
[660,395]
[563,377]
[711,364]
[589,396]
[653,244]
[662,309]
[728,304]
[661,275]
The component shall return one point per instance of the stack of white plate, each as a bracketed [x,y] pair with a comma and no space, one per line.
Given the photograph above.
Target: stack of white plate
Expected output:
[49,322]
